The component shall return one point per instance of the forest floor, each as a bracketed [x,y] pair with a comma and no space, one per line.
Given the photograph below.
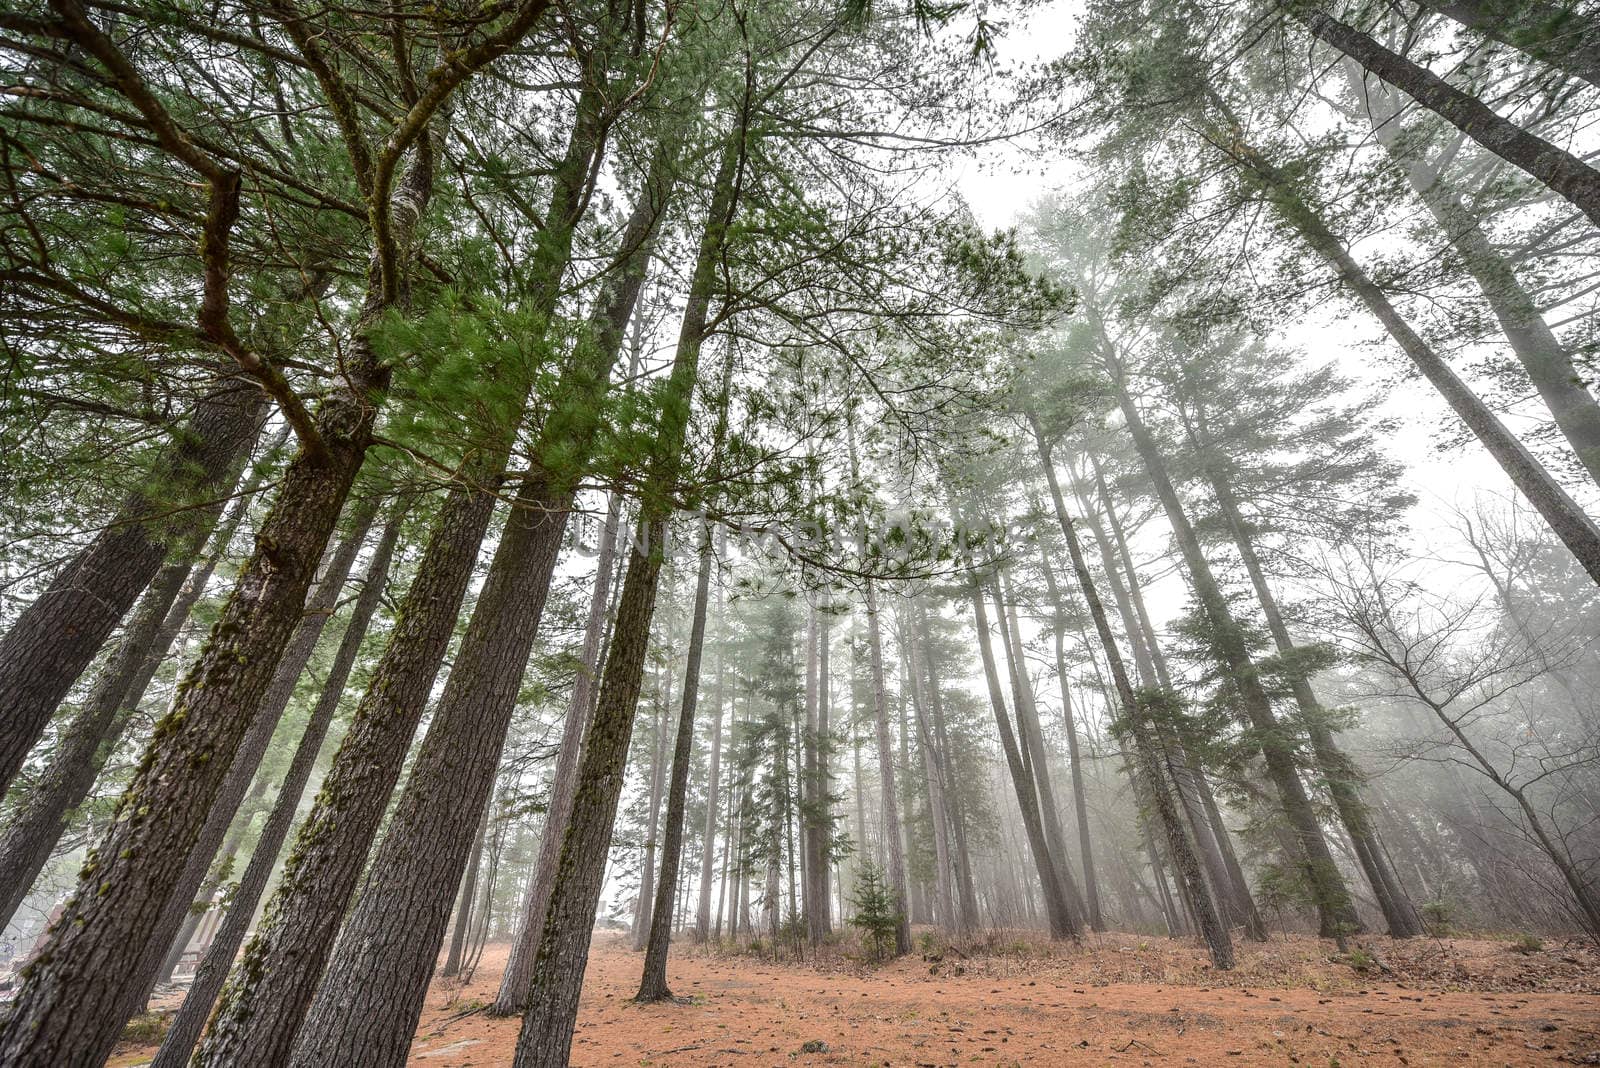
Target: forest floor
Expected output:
[1119,999]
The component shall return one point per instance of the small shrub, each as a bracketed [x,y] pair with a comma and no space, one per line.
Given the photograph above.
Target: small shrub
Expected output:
[1361,960]
[876,916]
[1527,943]
[1439,918]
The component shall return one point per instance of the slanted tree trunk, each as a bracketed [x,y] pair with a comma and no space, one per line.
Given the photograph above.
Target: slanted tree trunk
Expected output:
[88,740]
[546,1037]
[1055,899]
[465,916]
[1554,33]
[653,984]
[1034,753]
[1335,911]
[1559,170]
[1080,799]
[69,1008]
[1179,848]
[1548,364]
[1565,517]
[56,638]
[1341,777]
[213,971]
[512,996]
[368,1004]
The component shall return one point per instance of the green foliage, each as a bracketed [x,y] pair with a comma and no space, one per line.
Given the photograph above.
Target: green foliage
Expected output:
[875,914]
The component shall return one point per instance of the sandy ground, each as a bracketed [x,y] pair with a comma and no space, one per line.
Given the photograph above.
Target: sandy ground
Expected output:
[1118,1000]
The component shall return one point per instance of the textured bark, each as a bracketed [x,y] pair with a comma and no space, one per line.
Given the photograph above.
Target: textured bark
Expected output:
[266,1005]
[1061,925]
[1335,911]
[1547,362]
[92,736]
[1559,170]
[517,982]
[1553,33]
[215,837]
[1179,848]
[59,634]
[1565,517]
[653,986]
[89,739]
[69,1008]
[261,1007]
[213,971]
[546,1036]
[612,315]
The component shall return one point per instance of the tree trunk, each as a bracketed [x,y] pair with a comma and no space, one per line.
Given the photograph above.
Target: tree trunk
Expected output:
[56,638]
[1559,170]
[1055,900]
[702,919]
[1178,846]
[1570,523]
[1335,912]
[647,866]
[1556,33]
[933,772]
[1548,364]
[412,885]
[886,777]
[89,739]
[968,917]
[512,997]
[68,1009]
[464,916]
[653,985]
[546,1037]
[213,971]
[1341,777]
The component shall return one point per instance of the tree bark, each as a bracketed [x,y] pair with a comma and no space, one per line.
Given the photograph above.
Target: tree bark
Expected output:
[1557,34]
[213,971]
[546,1037]
[1547,362]
[933,772]
[517,981]
[270,1003]
[1559,170]
[56,638]
[653,985]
